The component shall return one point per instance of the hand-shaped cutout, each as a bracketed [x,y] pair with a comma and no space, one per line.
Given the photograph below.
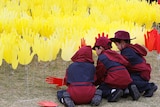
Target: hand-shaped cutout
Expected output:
[83,43]
[54,80]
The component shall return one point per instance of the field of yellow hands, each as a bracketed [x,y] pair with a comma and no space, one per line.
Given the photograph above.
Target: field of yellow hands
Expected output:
[56,45]
[42,47]
[46,48]
[1,53]
[10,48]
[68,49]
[46,26]
[24,54]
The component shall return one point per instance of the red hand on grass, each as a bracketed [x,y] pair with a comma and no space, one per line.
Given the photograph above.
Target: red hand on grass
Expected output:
[54,80]
[47,104]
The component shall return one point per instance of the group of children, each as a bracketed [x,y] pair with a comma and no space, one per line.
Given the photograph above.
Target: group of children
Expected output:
[115,75]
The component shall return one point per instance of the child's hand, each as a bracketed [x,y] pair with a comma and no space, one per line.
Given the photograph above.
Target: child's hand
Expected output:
[55,80]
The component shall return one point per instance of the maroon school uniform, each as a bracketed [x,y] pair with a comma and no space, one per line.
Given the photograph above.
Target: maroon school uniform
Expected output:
[111,70]
[112,76]
[140,66]
[80,76]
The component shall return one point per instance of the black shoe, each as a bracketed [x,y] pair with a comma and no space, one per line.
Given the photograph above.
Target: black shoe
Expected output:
[96,100]
[115,96]
[149,93]
[125,93]
[67,100]
[133,90]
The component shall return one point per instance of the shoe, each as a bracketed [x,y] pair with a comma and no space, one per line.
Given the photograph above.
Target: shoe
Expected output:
[67,100]
[149,93]
[115,96]
[133,90]
[125,93]
[96,100]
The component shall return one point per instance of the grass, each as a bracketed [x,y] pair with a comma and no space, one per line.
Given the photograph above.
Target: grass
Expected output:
[26,86]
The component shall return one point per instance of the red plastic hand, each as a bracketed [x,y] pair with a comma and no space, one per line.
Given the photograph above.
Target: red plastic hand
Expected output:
[99,35]
[47,104]
[83,43]
[151,39]
[55,80]
[158,44]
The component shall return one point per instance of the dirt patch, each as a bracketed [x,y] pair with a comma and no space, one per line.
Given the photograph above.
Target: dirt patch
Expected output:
[26,86]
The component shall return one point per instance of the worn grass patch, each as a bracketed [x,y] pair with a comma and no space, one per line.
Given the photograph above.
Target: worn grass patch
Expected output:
[26,86]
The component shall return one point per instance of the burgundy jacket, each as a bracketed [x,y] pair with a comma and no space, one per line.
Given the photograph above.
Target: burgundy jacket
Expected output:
[135,53]
[80,76]
[111,70]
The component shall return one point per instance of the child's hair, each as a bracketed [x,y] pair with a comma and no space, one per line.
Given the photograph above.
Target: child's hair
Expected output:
[126,41]
[109,44]
[97,47]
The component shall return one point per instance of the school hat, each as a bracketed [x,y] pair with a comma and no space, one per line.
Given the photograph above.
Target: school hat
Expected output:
[121,35]
[102,41]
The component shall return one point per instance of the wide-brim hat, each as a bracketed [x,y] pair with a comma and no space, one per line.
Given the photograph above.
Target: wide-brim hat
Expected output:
[121,35]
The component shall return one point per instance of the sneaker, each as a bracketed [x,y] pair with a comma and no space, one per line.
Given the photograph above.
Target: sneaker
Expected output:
[133,90]
[67,100]
[149,93]
[96,100]
[115,96]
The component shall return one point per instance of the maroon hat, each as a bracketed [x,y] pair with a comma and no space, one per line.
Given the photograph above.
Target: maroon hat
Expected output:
[121,35]
[104,42]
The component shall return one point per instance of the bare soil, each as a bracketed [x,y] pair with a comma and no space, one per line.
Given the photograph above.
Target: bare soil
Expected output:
[26,86]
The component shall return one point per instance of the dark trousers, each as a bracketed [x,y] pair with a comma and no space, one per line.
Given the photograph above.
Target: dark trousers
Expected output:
[141,84]
[60,95]
[106,90]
